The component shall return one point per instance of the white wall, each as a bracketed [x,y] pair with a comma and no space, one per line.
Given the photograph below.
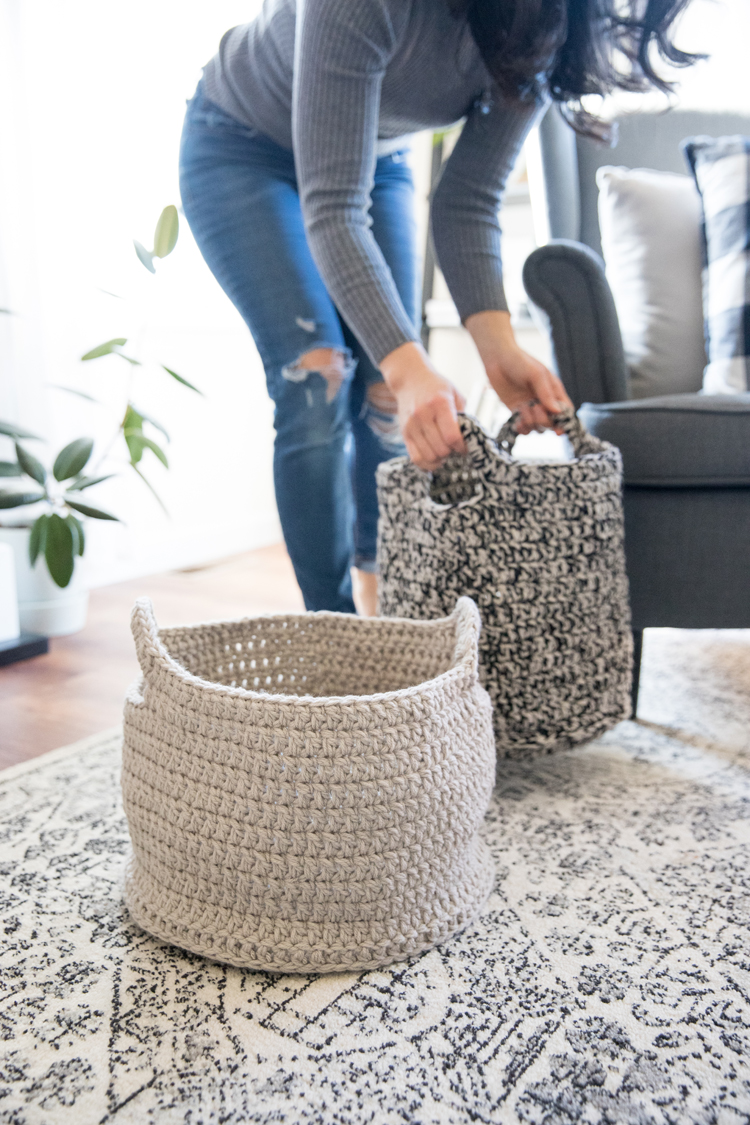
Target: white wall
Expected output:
[721,30]
[93,97]
[91,101]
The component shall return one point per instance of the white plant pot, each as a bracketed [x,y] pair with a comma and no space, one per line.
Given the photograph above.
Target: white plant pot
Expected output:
[43,606]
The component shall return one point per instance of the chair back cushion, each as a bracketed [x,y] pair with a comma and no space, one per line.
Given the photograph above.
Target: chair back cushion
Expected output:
[722,172]
[651,241]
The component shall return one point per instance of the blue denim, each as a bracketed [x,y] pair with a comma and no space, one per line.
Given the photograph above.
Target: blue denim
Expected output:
[240,197]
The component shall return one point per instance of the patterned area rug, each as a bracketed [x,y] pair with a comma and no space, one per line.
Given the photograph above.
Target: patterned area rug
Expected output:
[607,980]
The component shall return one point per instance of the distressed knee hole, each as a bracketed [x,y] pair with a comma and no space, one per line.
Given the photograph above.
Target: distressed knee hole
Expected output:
[381,414]
[381,398]
[332,365]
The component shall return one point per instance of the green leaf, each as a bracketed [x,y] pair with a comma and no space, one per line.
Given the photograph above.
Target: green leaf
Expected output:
[37,538]
[58,550]
[147,418]
[180,379]
[137,442]
[134,444]
[106,348]
[167,229]
[87,510]
[87,482]
[10,469]
[16,432]
[132,420]
[72,391]
[151,488]
[33,468]
[145,256]
[129,358]
[79,539]
[18,499]
[7,312]
[70,460]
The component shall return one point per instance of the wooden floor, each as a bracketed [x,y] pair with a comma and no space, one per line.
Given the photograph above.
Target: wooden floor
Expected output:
[77,689]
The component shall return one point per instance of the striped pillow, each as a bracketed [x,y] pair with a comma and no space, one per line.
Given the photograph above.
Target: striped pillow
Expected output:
[722,172]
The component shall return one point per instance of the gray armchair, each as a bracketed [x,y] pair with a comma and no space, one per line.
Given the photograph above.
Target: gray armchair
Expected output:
[686,457]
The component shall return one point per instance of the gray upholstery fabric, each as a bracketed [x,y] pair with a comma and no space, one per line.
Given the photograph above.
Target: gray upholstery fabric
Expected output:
[687,478]
[560,170]
[687,552]
[566,280]
[678,440]
[645,140]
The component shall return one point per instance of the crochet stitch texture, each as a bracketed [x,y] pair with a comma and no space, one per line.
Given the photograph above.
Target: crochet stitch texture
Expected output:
[540,549]
[304,792]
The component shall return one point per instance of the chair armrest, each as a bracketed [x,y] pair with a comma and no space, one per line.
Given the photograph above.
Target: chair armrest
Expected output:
[566,281]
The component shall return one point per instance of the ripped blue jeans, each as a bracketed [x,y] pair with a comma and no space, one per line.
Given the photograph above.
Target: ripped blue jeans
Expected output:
[240,197]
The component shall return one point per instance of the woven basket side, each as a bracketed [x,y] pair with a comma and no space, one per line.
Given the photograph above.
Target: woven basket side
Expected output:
[389,742]
[325,891]
[232,851]
[234,938]
[401,900]
[292,812]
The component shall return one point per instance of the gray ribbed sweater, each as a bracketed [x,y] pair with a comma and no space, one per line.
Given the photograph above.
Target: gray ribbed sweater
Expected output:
[339,80]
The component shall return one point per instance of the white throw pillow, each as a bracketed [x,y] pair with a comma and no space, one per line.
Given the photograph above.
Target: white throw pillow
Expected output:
[651,241]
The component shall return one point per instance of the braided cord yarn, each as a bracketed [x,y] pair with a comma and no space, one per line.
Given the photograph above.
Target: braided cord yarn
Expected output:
[304,793]
[539,547]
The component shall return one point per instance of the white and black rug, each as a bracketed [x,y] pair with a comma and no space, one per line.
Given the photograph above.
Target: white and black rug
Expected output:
[608,979]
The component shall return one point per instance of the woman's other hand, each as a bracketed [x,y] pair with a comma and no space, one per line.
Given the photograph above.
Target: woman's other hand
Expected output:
[520,381]
[427,405]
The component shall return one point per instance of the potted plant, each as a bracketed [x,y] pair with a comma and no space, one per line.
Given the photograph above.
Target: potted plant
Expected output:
[49,538]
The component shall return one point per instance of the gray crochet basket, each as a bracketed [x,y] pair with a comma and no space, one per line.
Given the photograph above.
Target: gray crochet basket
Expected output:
[304,793]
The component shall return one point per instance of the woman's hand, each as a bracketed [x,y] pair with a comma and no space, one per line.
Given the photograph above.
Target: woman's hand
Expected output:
[519,380]
[427,405]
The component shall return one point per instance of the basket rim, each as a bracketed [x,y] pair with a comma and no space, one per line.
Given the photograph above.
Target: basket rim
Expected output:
[504,466]
[404,466]
[153,654]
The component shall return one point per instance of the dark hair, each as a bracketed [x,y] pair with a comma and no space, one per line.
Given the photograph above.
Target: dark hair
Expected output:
[574,47]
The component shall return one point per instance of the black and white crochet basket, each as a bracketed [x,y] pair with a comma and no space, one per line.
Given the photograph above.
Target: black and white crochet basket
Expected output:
[539,547]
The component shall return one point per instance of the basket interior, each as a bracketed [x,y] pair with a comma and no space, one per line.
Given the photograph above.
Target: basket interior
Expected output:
[314,655]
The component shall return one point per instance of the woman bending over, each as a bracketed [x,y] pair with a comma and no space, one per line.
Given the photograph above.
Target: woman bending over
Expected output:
[296,187]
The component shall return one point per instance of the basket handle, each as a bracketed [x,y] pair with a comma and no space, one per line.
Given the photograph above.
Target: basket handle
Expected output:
[149,648]
[468,626]
[480,446]
[567,420]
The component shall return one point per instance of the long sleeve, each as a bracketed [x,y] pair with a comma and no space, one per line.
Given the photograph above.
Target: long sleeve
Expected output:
[465,204]
[341,53]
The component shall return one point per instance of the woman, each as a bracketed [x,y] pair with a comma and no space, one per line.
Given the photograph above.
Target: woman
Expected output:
[295,186]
